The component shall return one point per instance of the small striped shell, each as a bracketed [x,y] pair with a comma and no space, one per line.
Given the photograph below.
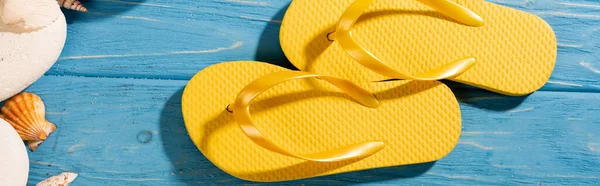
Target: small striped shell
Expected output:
[72,4]
[26,113]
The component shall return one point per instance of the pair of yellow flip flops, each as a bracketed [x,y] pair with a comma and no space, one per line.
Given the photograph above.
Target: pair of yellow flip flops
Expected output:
[322,123]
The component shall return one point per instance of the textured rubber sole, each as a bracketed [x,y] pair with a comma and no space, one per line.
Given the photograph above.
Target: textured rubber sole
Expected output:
[418,121]
[515,50]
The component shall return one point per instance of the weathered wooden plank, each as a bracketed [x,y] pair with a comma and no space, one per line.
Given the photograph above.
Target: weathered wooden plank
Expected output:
[174,39]
[167,40]
[116,131]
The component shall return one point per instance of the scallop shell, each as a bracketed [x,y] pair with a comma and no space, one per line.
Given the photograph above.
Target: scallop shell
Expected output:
[72,4]
[26,113]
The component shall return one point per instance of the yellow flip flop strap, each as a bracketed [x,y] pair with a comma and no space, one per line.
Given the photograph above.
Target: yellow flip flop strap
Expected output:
[364,57]
[241,113]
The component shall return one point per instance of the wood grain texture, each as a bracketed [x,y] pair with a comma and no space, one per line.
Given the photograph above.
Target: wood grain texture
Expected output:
[115,97]
[174,39]
[115,131]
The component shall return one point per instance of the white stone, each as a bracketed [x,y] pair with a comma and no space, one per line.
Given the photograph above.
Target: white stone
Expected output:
[32,35]
[14,161]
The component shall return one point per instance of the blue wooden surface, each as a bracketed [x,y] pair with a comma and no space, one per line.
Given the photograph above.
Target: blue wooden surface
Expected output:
[115,97]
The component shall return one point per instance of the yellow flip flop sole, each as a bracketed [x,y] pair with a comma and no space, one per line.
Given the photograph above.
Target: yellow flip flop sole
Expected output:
[514,51]
[415,122]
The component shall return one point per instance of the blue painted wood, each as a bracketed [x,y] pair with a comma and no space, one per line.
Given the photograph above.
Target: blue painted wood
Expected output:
[115,96]
[116,131]
[155,39]
[174,39]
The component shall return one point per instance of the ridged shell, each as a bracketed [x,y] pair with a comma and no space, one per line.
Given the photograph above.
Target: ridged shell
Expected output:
[72,4]
[26,113]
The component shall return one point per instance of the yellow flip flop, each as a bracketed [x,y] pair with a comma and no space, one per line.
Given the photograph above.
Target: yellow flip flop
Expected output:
[317,126]
[468,41]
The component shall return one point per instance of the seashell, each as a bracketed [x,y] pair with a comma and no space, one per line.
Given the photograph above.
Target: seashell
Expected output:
[26,113]
[32,36]
[28,15]
[14,161]
[72,4]
[63,179]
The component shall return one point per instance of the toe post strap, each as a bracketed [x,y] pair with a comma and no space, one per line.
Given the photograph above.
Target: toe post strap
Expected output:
[343,36]
[241,113]
[455,11]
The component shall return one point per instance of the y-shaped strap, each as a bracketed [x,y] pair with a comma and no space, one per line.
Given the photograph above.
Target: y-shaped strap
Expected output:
[364,57]
[241,114]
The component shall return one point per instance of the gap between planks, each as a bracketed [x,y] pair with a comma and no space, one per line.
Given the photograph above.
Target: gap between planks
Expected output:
[110,77]
[499,96]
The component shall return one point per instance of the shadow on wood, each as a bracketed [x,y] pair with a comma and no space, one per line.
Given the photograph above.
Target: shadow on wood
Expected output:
[484,99]
[269,49]
[189,165]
